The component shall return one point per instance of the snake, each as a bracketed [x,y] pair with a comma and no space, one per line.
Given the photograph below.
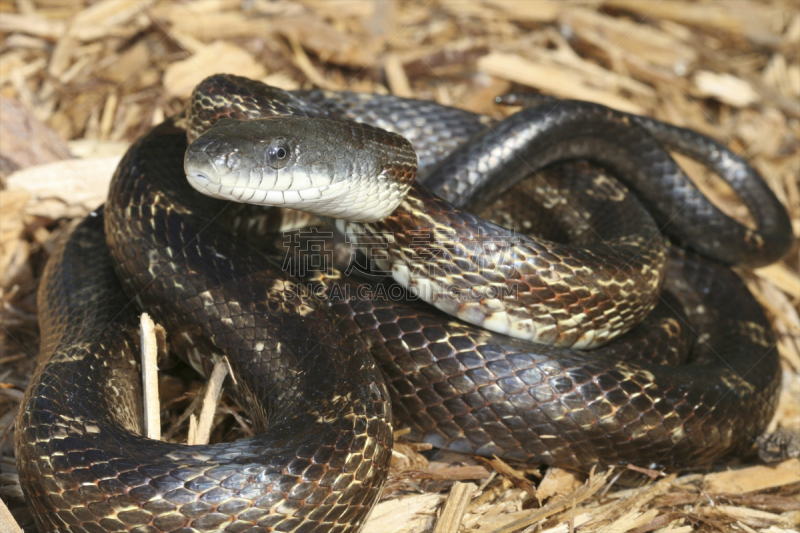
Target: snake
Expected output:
[320,378]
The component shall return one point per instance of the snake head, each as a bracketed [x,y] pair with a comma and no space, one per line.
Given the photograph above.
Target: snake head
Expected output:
[323,166]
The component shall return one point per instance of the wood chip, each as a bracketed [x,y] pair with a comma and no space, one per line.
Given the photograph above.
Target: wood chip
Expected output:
[32,25]
[725,88]
[101,18]
[182,76]
[66,188]
[405,457]
[25,140]
[410,514]
[557,482]
[191,437]
[303,62]
[454,508]
[754,478]
[539,11]
[551,79]
[7,522]
[109,114]
[328,43]
[211,26]
[630,521]
[645,41]
[131,68]
[706,15]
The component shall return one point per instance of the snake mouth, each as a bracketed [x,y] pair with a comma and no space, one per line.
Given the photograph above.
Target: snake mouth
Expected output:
[200,170]
[210,183]
[199,180]
[216,169]
[251,185]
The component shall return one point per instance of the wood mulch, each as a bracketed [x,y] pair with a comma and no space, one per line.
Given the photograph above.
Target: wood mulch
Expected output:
[79,80]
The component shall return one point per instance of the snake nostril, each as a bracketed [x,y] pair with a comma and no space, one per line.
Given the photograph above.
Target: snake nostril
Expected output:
[374,392]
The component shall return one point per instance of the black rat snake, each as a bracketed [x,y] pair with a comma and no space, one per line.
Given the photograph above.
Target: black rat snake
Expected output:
[303,364]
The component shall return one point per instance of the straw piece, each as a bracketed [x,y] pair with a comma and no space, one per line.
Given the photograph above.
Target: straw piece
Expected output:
[109,112]
[594,484]
[396,76]
[782,277]
[454,508]
[749,517]
[202,432]
[191,438]
[302,62]
[152,405]
[188,413]
[517,478]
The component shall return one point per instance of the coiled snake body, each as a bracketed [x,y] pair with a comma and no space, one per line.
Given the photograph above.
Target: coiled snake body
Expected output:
[305,369]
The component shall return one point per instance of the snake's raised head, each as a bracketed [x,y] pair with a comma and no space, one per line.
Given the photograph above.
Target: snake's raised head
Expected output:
[322,166]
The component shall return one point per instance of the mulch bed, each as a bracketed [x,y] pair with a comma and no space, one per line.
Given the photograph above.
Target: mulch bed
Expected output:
[80,80]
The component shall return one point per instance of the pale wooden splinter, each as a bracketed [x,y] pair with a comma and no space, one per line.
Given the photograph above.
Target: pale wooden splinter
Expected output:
[152,404]
[7,522]
[455,507]
[200,428]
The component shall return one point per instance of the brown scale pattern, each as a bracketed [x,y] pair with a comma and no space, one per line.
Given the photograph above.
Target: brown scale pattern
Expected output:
[462,387]
[548,292]
[466,389]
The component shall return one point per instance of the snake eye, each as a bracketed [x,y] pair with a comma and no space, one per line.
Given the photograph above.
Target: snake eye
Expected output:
[278,153]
